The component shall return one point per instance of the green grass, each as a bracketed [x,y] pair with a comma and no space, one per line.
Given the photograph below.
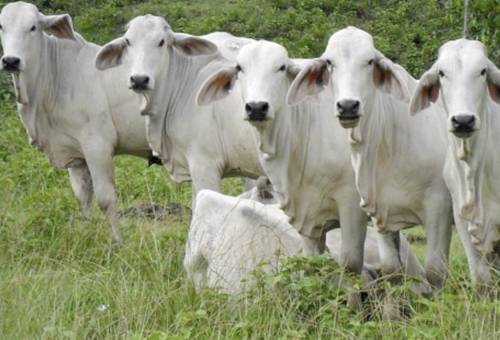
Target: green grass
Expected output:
[60,277]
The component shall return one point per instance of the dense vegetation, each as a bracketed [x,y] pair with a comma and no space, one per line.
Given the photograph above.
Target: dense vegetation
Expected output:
[61,278]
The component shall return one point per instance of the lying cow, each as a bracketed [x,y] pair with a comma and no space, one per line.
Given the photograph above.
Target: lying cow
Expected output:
[303,150]
[78,117]
[198,144]
[229,237]
[398,160]
[469,86]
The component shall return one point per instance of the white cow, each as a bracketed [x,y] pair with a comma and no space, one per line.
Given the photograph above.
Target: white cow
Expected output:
[198,144]
[468,84]
[78,117]
[303,150]
[229,237]
[398,160]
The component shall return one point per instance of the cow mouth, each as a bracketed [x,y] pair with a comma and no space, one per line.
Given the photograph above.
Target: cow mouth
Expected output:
[11,69]
[140,88]
[257,118]
[463,132]
[349,122]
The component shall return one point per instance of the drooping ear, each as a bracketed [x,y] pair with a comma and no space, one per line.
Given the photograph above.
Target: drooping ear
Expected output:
[310,81]
[427,91]
[493,78]
[293,70]
[111,54]
[390,78]
[217,86]
[193,46]
[60,26]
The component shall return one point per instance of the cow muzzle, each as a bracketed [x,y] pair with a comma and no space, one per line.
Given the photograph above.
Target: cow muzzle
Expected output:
[463,125]
[348,112]
[140,83]
[257,111]
[11,64]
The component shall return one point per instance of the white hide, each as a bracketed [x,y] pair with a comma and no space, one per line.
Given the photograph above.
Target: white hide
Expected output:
[229,237]
[201,144]
[464,81]
[398,160]
[303,149]
[78,117]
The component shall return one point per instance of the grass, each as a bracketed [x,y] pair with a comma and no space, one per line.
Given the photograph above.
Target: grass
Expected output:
[61,278]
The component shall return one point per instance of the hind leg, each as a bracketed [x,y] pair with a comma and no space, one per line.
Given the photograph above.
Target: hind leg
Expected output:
[81,183]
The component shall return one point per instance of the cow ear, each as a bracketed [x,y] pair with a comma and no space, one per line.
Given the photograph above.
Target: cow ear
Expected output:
[310,81]
[60,26]
[493,78]
[427,91]
[111,54]
[390,78]
[217,86]
[292,71]
[193,46]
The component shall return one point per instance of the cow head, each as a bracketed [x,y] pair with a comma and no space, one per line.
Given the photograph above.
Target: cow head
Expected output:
[263,71]
[357,70]
[463,76]
[22,29]
[148,43]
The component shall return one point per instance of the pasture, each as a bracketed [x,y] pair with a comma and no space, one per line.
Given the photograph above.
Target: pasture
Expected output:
[60,276]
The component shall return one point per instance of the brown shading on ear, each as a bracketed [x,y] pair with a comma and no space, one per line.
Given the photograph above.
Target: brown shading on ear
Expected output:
[110,55]
[389,78]
[217,86]
[427,91]
[493,79]
[60,26]
[310,81]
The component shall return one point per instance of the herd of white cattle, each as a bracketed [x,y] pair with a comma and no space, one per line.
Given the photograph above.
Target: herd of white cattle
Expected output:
[344,138]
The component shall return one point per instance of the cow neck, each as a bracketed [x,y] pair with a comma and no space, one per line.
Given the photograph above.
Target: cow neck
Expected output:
[381,135]
[38,85]
[471,167]
[173,100]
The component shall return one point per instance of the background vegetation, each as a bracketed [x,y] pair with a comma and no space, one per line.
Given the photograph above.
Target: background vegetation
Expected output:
[60,277]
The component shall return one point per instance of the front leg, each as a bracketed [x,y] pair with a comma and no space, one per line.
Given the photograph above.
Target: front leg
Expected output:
[81,183]
[203,176]
[389,250]
[100,163]
[353,229]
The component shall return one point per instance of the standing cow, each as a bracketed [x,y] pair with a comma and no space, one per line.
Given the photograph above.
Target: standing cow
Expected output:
[198,144]
[469,86]
[303,150]
[398,161]
[79,117]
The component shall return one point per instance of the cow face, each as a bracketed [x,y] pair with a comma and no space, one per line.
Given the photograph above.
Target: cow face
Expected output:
[357,70]
[148,43]
[463,76]
[263,71]
[22,29]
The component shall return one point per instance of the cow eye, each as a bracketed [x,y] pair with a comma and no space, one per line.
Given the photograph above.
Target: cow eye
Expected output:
[127,42]
[441,74]
[483,71]
[33,28]
[282,68]
[370,62]
[1,27]
[162,42]
[329,62]
[238,68]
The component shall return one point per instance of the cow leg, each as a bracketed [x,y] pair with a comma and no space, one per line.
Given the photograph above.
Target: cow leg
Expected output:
[102,172]
[438,247]
[353,230]
[203,177]
[478,268]
[81,183]
[390,257]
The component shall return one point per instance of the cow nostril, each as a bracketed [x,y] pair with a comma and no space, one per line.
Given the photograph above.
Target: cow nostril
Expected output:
[12,62]
[248,108]
[265,107]
[339,107]
[355,106]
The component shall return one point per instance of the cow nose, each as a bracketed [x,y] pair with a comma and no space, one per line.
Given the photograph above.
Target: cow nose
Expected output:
[11,63]
[348,107]
[257,111]
[139,82]
[463,122]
